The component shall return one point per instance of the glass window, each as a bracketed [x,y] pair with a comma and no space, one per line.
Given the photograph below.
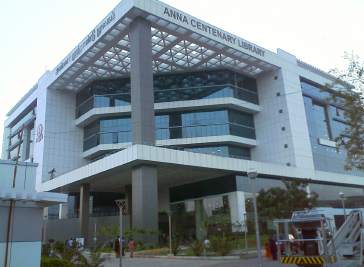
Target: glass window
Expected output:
[321,121]
[168,88]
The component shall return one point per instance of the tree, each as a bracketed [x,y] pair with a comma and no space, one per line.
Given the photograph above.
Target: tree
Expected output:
[108,231]
[279,203]
[95,258]
[347,93]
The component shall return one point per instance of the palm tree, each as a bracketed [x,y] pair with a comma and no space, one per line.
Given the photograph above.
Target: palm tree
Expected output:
[94,260]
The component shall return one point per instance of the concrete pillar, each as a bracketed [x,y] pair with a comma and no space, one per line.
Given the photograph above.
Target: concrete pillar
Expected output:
[145,200]
[237,211]
[141,78]
[4,155]
[128,197]
[129,202]
[200,217]
[163,199]
[144,177]
[84,212]
[24,146]
[45,223]
[63,210]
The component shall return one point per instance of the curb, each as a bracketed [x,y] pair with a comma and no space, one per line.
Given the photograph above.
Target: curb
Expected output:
[189,257]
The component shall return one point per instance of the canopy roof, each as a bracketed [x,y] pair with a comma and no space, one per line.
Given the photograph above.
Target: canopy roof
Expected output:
[180,43]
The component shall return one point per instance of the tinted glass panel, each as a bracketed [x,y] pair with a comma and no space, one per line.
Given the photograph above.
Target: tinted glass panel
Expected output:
[173,126]
[169,88]
[325,122]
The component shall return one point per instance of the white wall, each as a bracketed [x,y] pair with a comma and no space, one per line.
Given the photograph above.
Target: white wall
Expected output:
[22,254]
[25,175]
[63,141]
[271,139]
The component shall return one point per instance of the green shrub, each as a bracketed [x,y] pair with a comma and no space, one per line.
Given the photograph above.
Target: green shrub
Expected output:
[175,245]
[196,246]
[225,248]
[215,244]
[46,250]
[55,262]
[220,246]
[95,259]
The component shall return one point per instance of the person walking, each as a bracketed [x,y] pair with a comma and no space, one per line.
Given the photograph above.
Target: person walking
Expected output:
[122,247]
[273,247]
[131,245]
[111,242]
[117,247]
[70,243]
[268,255]
[66,245]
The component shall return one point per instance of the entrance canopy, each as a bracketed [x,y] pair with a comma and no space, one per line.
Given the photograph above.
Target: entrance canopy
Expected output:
[179,43]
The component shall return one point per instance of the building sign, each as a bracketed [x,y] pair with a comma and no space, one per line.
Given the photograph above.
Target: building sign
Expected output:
[213,31]
[39,133]
[89,39]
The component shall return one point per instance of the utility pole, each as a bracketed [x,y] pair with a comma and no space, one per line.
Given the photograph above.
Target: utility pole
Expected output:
[12,202]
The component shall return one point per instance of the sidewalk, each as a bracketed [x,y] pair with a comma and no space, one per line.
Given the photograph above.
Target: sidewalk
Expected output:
[156,262]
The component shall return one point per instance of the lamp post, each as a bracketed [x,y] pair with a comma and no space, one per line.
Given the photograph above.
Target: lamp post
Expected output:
[170,232]
[121,204]
[342,195]
[246,232]
[95,233]
[252,174]
[45,218]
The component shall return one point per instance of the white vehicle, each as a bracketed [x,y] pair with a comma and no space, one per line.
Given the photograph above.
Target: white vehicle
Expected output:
[319,248]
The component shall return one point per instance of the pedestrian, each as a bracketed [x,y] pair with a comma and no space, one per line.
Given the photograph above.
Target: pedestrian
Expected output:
[131,245]
[70,243]
[111,242]
[122,247]
[117,247]
[66,245]
[273,247]
[268,255]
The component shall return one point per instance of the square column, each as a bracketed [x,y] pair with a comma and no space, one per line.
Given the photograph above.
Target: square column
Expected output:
[200,217]
[145,200]
[141,77]
[237,211]
[129,202]
[144,177]
[63,210]
[84,212]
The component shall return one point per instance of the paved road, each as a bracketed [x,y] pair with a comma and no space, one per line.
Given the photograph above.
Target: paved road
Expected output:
[156,262]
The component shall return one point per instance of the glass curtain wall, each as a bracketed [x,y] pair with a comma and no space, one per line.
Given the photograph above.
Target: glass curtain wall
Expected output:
[190,217]
[173,126]
[169,88]
[27,146]
[324,121]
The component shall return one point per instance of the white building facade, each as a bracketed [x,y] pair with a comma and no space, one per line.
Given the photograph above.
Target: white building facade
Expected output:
[168,111]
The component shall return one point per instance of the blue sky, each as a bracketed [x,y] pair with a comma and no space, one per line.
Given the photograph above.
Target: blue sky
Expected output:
[36,35]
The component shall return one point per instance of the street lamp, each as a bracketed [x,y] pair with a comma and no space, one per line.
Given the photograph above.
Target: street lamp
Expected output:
[170,232]
[95,233]
[342,195]
[246,232]
[252,174]
[45,218]
[121,204]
